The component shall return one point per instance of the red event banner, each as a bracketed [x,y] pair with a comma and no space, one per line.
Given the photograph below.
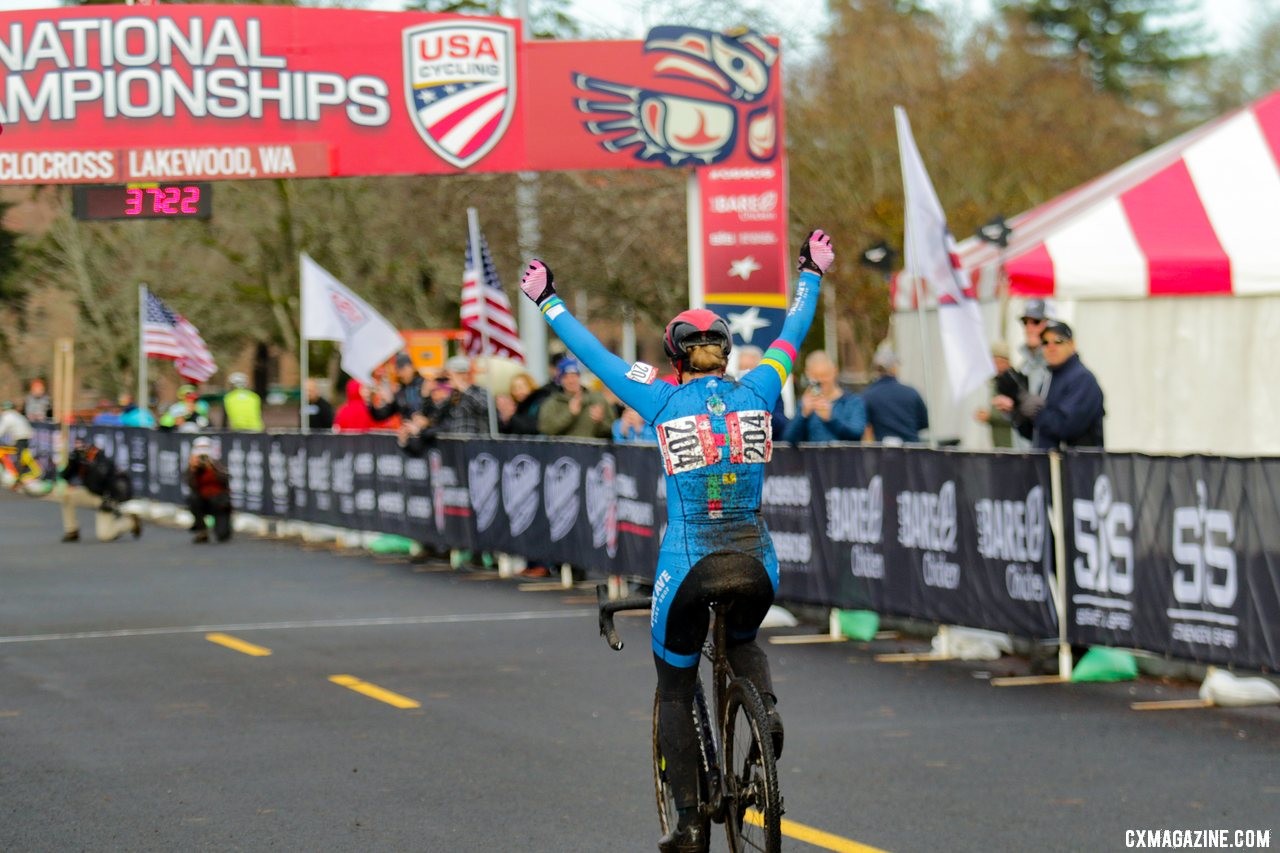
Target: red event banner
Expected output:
[746,261]
[112,94]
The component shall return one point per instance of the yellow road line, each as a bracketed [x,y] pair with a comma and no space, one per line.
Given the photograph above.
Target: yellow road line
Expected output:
[373,691]
[237,644]
[816,837]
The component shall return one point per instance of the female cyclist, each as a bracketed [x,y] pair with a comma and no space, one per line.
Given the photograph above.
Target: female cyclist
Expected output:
[714,434]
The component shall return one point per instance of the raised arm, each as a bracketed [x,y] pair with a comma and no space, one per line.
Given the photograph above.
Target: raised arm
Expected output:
[633,385]
[816,256]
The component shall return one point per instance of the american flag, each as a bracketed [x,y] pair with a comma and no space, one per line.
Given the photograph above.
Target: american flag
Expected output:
[496,317]
[169,335]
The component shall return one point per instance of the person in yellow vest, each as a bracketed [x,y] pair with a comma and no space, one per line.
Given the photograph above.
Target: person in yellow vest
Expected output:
[242,408]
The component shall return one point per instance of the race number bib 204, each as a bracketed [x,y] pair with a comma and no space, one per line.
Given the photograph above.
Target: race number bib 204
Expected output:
[687,443]
[749,436]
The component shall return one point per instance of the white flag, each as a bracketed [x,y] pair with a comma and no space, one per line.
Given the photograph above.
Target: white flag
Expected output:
[331,312]
[930,257]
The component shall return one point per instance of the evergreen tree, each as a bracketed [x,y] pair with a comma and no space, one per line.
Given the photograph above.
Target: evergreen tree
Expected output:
[1130,47]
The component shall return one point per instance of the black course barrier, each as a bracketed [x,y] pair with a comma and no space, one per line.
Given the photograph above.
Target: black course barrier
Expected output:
[1177,555]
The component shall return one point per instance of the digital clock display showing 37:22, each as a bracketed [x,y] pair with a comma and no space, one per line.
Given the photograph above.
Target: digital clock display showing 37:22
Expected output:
[143,201]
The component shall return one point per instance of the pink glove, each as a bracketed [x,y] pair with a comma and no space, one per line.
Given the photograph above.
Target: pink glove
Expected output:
[537,282]
[816,254]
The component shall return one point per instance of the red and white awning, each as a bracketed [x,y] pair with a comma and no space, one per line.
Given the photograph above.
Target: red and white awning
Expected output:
[1199,215]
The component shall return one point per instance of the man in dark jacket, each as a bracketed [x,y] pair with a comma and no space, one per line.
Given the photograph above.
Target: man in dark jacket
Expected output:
[1071,411]
[93,481]
[210,493]
[407,399]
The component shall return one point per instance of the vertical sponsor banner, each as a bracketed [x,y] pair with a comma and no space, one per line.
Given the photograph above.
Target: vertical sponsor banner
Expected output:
[364,487]
[849,508]
[792,510]
[744,247]
[1005,542]
[1175,555]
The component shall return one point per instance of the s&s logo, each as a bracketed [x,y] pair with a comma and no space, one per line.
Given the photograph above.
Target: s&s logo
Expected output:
[1102,532]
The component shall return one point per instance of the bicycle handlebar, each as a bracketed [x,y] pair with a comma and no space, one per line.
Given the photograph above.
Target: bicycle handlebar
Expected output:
[608,608]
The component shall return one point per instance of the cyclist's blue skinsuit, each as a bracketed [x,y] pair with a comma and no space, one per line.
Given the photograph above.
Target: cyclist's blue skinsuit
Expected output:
[714,435]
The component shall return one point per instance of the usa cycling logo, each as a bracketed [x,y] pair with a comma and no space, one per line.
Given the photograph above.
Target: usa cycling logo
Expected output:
[682,130]
[460,82]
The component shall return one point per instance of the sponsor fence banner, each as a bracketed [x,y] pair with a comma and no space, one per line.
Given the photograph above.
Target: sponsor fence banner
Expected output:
[1179,556]
[1175,555]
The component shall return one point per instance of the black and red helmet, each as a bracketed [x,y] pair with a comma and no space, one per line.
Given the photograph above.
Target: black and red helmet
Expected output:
[693,327]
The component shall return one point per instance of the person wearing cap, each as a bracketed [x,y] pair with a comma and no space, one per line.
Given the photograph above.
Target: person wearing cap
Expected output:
[1007,382]
[895,412]
[406,400]
[1070,412]
[1035,316]
[188,414]
[467,412]
[241,406]
[209,493]
[572,409]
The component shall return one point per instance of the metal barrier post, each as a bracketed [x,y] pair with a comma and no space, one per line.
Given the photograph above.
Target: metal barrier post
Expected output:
[1057,520]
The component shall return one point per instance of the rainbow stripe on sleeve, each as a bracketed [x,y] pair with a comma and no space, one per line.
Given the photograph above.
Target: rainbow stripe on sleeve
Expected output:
[781,356]
[552,307]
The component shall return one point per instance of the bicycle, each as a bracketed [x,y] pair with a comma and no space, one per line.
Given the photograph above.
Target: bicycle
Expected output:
[746,798]
[20,466]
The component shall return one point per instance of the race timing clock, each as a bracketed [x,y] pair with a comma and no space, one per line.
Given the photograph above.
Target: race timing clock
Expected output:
[188,200]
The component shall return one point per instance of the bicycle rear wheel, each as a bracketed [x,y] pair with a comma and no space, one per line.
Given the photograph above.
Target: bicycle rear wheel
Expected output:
[662,788]
[754,820]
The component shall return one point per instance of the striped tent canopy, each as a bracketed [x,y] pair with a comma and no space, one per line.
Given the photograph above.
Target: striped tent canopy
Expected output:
[1200,215]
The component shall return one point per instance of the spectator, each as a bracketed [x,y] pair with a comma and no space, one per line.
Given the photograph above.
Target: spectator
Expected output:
[241,406]
[37,408]
[749,357]
[895,412]
[573,410]
[1007,382]
[525,401]
[406,399]
[1033,367]
[107,414]
[16,432]
[827,412]
[210,492]
[415,434]
[133,415]
[630,427]
[188,414]
[353,415]
[93,481]
[318,411]
[1070,413]
[468,409]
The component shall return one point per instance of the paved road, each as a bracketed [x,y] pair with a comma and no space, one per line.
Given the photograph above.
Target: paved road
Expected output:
[122,727]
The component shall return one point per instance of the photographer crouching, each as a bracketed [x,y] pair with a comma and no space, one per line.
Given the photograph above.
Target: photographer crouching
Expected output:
[93,481]
[210,494]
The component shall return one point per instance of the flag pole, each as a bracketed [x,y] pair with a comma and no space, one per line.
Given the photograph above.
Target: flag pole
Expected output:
[304,357]
[477,267]
[143,400]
